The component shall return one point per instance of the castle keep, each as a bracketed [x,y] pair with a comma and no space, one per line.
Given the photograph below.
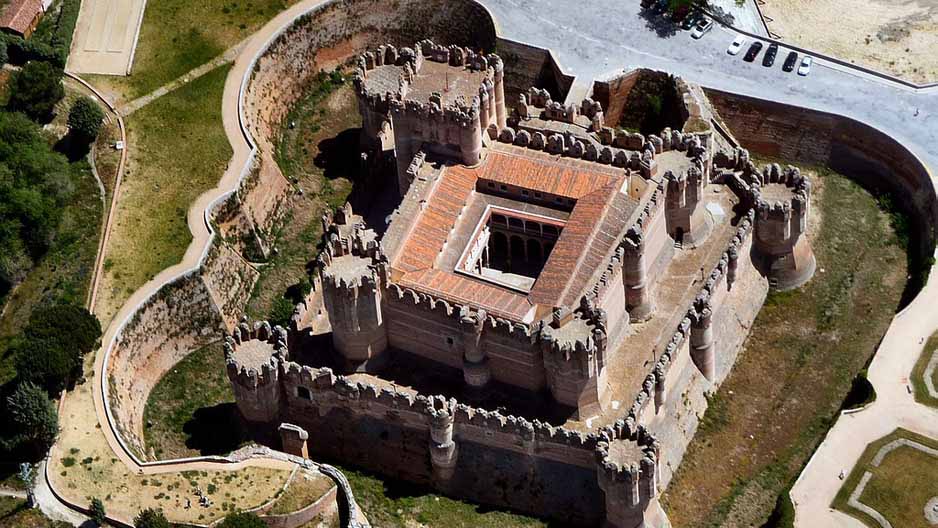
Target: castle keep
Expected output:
[536,322]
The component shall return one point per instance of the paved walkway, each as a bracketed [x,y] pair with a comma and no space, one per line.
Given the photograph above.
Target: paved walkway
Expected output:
[105,36]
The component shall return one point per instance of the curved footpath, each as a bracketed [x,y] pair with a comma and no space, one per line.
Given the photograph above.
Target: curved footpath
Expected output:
[590,43]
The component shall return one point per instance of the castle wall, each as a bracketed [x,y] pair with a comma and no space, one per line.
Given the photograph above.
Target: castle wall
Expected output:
[659,247]
[181,317]
[613,302]
[527,66]
[427,333]
[500,460]
[847,146]
[230,280]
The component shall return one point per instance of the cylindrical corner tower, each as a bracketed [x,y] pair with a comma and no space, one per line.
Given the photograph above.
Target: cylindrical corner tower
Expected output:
[352,296]
[780,246]
[252,357]
[628,475]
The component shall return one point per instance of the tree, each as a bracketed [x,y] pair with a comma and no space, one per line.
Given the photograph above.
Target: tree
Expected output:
[98,515]
[242,520]
[47,362]
[68,323]
[151,518]
[84,119]
[35,89]
[32,417]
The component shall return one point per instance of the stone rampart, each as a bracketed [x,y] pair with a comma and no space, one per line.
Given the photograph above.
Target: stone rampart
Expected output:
[866,155]
[527,66]
[181,317]
[230,280]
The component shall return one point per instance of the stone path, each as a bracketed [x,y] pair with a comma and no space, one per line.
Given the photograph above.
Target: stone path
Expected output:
[226,57]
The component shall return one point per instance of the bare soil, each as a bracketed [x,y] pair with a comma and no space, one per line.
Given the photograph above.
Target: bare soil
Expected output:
[893,36]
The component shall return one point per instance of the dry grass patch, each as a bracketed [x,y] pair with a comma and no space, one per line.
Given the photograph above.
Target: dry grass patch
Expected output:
[796,366]
[305,489]
[893,36]
[178,150]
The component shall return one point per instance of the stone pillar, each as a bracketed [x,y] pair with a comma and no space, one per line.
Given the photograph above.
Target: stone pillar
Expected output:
[293,439]
[732,266]
[701,342]
[470,143]
[443,451]
[638,298]
[660,394]
[476,370]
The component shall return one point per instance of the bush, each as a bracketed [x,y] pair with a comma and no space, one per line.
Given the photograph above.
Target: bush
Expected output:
[4,53]
[85,119]
[45,362]
[35,90]
[242,520]
[151,518]
[281,312]
[68,323]
[98,515]
[54,344]
[32,419]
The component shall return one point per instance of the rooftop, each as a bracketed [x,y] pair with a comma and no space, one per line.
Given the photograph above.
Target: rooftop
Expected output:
[18,15]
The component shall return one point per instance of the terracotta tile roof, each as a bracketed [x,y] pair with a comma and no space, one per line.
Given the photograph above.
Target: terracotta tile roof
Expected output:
[19,15]
[567,177]
[436,221]
[591,232]
[499,302]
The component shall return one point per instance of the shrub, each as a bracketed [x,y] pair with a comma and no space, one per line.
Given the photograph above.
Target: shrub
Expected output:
[98,515]
[242,520]
[54,344]
[281,312]
[45,362]
[151,518]
[35,90]
[85,119]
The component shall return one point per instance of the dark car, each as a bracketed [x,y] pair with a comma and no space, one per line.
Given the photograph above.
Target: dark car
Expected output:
[753,51]
[769,58]
[690,20]
[790,61]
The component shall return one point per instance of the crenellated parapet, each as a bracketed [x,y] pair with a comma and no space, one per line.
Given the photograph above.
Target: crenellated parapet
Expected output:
[781,198]
[627,459]
[574,349]
[252,358]
[443,450]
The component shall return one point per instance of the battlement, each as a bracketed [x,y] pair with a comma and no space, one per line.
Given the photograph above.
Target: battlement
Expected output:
[253,355]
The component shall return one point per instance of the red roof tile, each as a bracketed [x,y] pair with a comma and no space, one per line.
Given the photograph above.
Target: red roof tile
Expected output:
[19,15]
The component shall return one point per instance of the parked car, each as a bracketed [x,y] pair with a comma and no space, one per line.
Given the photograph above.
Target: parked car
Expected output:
[753,51]
[790,61]
[691,20]
[769,58]
[805,67]
[736,46]
[702,28]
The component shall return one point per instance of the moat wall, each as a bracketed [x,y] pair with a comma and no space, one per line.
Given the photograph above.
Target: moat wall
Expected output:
[861,152]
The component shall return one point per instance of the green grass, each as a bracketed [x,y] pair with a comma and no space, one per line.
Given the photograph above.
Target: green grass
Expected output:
[799,362]
[14,513]
[392,505]
[900,486]
[191,411]
[64,273]
[918,373]
[326,112]
[178,151]
[301,493]
[180,35]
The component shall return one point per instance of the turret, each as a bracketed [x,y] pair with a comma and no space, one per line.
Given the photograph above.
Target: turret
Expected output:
[702,350]
[688,220]
[639,299]
[780,246]
[443,450]
[352,296]
[252,359]
[628,475]
[476,369]
[574,351]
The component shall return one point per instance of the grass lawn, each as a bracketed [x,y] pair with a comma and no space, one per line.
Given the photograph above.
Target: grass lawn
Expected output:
[918,373]
[63,274]
[899,488]
[179,35]
[305,489]
[191,410]
[397,505]
[14,513]
[320,153]
[178,150]
[797,365]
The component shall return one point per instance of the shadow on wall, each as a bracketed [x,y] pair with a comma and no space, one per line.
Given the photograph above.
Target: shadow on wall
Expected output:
[873,159]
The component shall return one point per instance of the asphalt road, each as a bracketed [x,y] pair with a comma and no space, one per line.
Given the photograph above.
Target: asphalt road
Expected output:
[612,35]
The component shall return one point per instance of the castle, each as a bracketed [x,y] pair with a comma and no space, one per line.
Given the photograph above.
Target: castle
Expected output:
[537,254]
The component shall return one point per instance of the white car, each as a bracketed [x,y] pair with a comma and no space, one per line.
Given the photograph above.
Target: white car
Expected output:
[805,67]
[702,28]
[737,45]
